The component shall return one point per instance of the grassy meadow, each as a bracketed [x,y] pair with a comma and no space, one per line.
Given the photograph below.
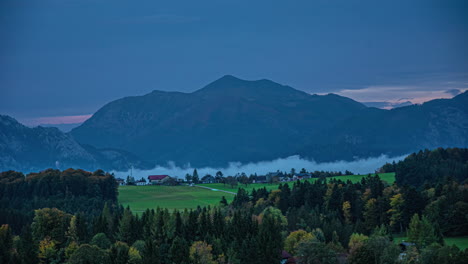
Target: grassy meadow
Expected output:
[461,242]
[388,177]
[139,198]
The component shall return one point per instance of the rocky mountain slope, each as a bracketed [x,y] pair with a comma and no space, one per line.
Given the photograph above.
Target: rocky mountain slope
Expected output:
[31,149]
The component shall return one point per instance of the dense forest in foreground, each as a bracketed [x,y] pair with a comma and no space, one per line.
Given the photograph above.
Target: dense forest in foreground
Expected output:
[73,217]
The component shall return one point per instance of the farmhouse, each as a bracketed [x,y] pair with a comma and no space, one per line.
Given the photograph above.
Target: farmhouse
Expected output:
[120,181]
[260,179]
[301,176]
[140,182]
[208,179]
[158,179]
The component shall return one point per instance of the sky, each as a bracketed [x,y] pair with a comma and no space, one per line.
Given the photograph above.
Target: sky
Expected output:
[61,60]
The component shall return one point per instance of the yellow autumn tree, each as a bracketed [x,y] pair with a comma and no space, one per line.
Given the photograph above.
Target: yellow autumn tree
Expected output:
[295,238]
[200,252]
[396,211]
[47,250]
[347,211]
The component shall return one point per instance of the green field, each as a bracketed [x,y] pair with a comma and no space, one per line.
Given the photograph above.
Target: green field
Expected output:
[461,242]
[388,177]
[139,198]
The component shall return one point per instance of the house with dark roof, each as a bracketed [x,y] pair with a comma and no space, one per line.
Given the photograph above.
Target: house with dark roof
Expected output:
[120,181]
[260,179]
[208,179]
[140,182]
[157,179]
[301,176]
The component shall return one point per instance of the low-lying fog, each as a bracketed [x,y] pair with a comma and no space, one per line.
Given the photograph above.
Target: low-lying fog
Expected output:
[362,166]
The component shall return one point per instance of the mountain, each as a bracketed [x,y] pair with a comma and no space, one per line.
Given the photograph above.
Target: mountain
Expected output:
[31,149]
[228,120]
[236,120]
[387,105]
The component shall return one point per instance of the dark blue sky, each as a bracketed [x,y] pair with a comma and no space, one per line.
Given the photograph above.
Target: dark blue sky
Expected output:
[70,57]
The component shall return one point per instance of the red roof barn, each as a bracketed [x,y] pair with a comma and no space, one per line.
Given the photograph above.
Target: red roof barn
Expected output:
[157,177]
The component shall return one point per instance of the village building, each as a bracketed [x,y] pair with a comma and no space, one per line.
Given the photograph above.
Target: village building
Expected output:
[260,179]
[140,182]
[302,176]
[120,181]
[208,179]
[157,179]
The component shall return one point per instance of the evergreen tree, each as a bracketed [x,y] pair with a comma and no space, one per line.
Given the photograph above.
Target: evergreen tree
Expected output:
[195,177]
[27,248]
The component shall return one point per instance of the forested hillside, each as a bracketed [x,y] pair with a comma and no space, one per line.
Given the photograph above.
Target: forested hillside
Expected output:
[72,191]
[303,222]
[431,166]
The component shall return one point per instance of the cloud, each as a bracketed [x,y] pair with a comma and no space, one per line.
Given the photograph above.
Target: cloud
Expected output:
[399,94]
[362,166]
[55,120]
[454,92]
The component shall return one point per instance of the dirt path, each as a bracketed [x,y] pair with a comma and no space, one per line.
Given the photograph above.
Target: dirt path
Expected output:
[218,190]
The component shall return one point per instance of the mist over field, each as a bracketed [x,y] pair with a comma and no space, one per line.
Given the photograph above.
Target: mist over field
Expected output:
[362,166]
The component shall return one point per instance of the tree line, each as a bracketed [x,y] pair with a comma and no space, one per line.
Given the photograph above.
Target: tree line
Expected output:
[321,221]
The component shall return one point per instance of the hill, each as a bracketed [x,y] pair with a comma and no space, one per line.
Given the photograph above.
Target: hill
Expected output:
[247,121]
[29,149]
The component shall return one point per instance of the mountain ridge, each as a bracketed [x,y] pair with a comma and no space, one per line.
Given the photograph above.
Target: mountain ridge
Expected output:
[29,149]
[236,120]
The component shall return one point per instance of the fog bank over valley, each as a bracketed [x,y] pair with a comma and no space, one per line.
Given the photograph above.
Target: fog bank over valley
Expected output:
[362,166]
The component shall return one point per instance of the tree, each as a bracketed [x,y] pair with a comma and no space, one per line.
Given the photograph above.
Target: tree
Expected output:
[126,228]
[179,251]
[311,252]
[47,250]
[396,211]
[134,256]
[356,241]
[70,249]
[219,176]
[293,171]
[195,177]
[361,255]
[88,254]
[223,201]
[371,214]
[188,177]
[119,253]
[270,241]
[6,244]
[50,223]
[422,232]
[151,253]
[27,248]
[101,241]
[200,253]
[77,230]
[292,242]
[347,211]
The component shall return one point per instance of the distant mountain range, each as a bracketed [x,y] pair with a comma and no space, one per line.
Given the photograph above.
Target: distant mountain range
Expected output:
[237,120]
[387,105]
[33,149]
